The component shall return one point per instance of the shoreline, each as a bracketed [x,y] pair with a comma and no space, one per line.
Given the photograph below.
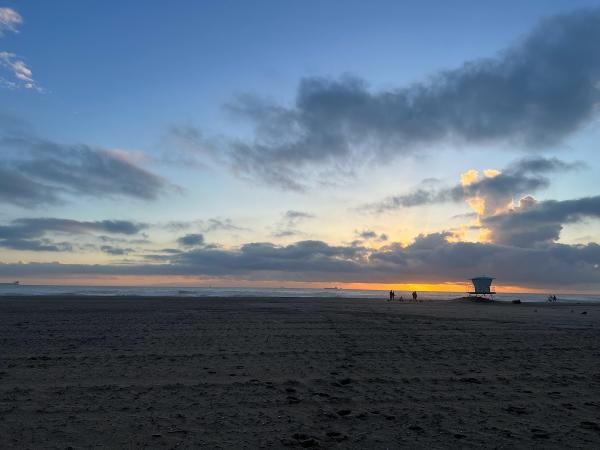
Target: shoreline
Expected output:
[465,300]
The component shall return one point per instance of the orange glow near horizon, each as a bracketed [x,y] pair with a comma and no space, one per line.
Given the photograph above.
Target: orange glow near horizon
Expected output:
[187,281]
[436,287]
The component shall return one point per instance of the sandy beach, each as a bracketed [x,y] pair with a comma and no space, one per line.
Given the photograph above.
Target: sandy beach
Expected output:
[297,372]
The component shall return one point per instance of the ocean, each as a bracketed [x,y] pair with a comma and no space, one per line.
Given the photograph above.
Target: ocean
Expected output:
[152,291]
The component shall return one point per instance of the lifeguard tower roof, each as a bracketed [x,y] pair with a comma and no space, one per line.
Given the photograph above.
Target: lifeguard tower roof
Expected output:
[482,285]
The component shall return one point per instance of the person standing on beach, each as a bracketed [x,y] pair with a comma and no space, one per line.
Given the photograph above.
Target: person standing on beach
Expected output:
[391,296]
[414,296]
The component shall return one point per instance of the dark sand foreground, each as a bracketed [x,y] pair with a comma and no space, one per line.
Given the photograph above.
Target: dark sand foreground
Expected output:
[247,373]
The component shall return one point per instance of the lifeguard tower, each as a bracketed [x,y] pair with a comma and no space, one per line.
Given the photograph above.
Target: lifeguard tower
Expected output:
[482,287]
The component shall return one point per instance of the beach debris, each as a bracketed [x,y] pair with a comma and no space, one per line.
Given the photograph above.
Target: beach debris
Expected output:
[584,312]
[344,412]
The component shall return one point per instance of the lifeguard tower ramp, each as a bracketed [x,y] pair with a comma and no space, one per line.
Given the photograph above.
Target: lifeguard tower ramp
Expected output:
[482,287]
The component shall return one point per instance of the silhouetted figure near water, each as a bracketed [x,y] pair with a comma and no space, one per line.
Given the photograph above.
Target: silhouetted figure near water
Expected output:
[391,296]
[414,296]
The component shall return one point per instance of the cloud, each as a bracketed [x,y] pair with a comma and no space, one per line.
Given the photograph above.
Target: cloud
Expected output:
[206,226]
[9,21]
[371,235]
[219,225]
[37,171]
[429,259]
[287,227]
[532,95]
[69,226]
[191,240]
[285,233]
[20,74]
[36,245]
[190,148]
[311,256]
[20,190]
[493,192]
[493,197]
[294,217]
[417,197]
[117,251]
[29,233]
[534,223]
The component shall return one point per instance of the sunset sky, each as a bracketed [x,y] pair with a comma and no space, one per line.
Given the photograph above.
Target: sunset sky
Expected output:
[301,143]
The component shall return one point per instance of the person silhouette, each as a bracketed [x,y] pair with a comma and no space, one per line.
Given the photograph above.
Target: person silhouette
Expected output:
[414,296]
[391,296]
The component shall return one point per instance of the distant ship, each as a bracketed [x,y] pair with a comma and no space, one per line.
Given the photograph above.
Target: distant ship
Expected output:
[13,283]
[334,288]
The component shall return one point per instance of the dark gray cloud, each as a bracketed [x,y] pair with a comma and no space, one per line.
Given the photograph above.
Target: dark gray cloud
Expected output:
[430,259]
[532,95]
[372,235]
[36,245]
[539,223]
[265,256]
[30,233]
[417,197]
[524,176]
[18,189]
[35,171]
[191,240]
[70,226]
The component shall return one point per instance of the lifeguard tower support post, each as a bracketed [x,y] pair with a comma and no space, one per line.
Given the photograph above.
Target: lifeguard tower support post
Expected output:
[482,286]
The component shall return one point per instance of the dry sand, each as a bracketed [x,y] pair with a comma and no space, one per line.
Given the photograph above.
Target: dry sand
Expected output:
[335,373]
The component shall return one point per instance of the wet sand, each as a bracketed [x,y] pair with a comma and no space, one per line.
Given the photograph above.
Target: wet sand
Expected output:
[335,373]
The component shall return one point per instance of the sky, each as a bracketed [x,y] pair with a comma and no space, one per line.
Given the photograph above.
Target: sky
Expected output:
[301,143]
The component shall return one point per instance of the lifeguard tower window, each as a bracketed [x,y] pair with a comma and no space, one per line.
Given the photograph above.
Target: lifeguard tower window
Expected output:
[482,286]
